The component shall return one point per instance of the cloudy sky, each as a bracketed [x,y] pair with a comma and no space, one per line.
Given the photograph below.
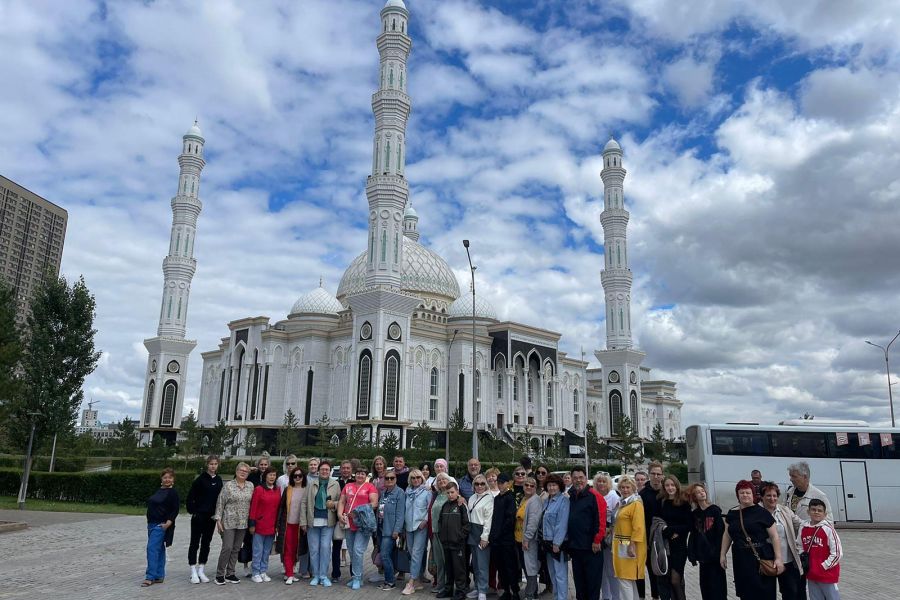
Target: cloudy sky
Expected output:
[761,138]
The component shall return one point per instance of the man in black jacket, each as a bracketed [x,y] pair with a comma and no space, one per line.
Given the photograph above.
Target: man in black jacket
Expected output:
[201,504]
[651,509]
[584,533]
[502,539]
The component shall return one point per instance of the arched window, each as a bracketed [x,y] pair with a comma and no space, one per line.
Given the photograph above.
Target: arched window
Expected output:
[615,411]
[372,247]
[529,395]
[461,389]
[179,308]
[515,388]
[178,243]
[148,412]
[575,410]
[387,157]
[477,395]
[500,384]
[167,409]
[237,393]
[396,247]
[433,400]
[635,416]
[383,245]
[550,404]
[364,391]
[391,385]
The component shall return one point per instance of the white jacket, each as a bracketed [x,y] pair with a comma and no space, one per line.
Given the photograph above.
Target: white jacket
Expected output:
[803,505]
[481,512]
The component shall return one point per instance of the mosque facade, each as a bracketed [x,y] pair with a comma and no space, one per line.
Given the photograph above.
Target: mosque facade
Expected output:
[393,347]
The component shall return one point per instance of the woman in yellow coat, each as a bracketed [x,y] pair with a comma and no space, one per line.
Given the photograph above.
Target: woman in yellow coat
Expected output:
[629,540]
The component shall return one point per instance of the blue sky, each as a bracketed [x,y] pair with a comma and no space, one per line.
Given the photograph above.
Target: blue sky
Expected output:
[760,138]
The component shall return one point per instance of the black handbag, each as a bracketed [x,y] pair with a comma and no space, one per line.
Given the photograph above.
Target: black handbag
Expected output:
[400,556]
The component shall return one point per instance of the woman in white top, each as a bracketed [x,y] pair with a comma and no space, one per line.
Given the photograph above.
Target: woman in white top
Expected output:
[481,513]
[609,588]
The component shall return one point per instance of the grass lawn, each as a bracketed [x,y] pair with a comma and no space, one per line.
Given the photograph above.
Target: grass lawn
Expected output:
[9,502]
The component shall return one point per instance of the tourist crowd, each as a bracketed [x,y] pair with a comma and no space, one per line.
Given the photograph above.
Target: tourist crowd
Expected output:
[490,532]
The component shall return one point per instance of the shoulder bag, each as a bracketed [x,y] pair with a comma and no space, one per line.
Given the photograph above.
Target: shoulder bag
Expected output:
[766,566]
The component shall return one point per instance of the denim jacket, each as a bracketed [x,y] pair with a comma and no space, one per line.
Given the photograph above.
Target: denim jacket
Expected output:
[417,500]
[556,519]
[391,509]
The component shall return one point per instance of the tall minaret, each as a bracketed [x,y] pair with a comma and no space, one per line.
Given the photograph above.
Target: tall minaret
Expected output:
[168,352]
[387,189]
[621,362]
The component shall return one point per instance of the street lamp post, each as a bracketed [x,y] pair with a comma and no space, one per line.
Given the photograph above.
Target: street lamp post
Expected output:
[887,368]
[26,469]
[447,437]
[474,399]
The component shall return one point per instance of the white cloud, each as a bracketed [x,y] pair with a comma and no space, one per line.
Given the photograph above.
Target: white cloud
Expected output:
[690,80]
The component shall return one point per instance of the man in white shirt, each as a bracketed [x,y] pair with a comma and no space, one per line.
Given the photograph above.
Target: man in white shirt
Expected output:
[801,491]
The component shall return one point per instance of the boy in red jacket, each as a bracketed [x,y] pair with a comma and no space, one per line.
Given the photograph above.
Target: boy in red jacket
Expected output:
[819,539]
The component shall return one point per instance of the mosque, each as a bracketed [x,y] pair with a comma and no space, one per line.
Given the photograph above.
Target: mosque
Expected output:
[393,347]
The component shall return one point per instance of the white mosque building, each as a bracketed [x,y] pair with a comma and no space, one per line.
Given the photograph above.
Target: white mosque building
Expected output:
[393,347]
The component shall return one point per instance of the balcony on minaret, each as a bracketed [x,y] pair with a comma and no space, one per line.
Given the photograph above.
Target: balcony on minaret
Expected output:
[392,103]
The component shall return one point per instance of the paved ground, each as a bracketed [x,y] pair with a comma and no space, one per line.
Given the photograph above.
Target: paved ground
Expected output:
[97,557]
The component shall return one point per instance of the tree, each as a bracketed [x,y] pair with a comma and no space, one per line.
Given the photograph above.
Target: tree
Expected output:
[594,445]
[221,437]
[389,444]
[193,436]
[656,448]
[289,435]
[125,440]
[523,442]
[460,437]
[158,448]
[10,351]
[356,440]
[58,354]
[559,453]
[422,436]
[627,446]
[323,434]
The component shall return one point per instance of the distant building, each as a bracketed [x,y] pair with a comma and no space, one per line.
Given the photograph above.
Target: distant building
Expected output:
[91,424]
[32,232]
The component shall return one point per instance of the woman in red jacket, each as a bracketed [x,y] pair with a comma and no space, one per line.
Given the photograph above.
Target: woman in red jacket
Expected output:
[261,522]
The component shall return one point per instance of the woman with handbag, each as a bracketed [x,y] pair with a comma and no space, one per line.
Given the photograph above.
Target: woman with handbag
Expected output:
[675,510]
[290,540]
[391,510]
[354,495]
[756,553]
[785,522]
[704,542]
[629,548]
[481,516]
[555,531]
[418,497]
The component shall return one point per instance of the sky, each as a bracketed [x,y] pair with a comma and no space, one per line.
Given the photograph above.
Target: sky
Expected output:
[761,139]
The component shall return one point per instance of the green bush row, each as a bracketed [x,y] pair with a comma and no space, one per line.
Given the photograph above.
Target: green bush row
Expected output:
[111,487]
[42,463]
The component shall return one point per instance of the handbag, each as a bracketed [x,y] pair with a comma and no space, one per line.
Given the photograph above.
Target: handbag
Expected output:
[352,502]
[401,557]
[766,567]
[804,556]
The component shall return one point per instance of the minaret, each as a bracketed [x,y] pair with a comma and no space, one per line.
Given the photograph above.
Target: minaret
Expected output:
[621,362]
[411,222]
[386,188]
[168,352]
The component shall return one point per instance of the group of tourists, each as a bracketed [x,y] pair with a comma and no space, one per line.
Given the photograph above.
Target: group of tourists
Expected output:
[488,532]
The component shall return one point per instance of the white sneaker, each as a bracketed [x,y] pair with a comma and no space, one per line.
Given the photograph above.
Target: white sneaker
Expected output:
[195,578]
[289,581]
[481,597]
[473,593]
[201,575]
[256,579]
[265,577]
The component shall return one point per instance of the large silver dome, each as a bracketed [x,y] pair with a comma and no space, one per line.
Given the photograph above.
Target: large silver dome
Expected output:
[424,273]
[318,301]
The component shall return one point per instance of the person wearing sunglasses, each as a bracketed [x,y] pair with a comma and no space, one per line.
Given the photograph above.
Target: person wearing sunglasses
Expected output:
[391,513]
[417,499]
[290,541]
[318,516]
[284,480]
[528,519]
[481,517]
[503,540]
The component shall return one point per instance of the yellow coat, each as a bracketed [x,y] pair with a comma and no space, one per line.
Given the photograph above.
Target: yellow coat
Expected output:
[630,531]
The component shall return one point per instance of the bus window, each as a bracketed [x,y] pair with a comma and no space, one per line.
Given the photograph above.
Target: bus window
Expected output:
[892,451]
[740,443]
[851,449]
[801,445]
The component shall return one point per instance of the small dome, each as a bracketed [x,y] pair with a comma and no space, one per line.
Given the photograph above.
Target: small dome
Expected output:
[612,144]
[462,308]
[397,3]
[194,131]
[318,301]
[410,212]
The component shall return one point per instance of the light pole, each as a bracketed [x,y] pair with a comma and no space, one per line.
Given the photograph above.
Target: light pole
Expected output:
[474,400]
[26,469]
[447,437]
[887,368]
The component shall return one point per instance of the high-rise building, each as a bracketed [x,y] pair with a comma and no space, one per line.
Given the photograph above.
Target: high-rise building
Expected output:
[32,233]
[168,352]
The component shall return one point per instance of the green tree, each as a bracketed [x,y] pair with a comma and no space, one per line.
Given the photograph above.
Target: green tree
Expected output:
[460,435]
[221,437]
[627,444]
[125,441]
[656,448]
[288,437]
[10,352]
[422,436]
[523,442]
[559,453]
[324,431]
[193,436]
[594,444]
[356,440]
[58,354]
[389,444]
[158,448]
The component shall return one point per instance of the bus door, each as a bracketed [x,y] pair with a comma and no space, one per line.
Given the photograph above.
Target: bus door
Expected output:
[856,491]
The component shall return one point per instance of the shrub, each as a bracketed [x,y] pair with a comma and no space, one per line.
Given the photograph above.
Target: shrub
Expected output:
[679,470]
[111,487]
[42,463]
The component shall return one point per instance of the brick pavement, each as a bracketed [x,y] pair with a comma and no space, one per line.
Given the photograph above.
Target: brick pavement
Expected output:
[102,557]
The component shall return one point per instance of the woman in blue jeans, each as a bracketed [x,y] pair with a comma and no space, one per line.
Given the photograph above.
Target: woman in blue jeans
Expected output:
[418,497]
[318,516]
[162,508]
[354,494]
[555,529]
[391,510]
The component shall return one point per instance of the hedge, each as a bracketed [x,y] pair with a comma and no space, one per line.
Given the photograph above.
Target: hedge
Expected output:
[42,463]
[110,487]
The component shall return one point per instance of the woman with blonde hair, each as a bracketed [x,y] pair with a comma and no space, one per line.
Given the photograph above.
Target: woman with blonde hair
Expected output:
[416,516]
[481,516]
[232,510]
[629,549]
[603,484]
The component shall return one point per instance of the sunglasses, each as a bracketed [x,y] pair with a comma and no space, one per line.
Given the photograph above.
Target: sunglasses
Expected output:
[479,483]
[529,485]
[298,476]
[519,474]
[392,478]
[542,472]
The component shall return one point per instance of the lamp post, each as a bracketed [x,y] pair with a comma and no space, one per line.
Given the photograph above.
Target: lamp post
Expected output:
[474,399]
[26,469]
[447,437]
[887,368]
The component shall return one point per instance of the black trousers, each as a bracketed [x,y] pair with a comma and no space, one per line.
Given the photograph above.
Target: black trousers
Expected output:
[202,528]
[508,571]
[789,583]
[336,558]
[587,573]
[713,585]
[455,570]
[642,590]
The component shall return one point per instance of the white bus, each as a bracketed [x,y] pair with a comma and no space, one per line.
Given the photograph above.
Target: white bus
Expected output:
[862,480]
